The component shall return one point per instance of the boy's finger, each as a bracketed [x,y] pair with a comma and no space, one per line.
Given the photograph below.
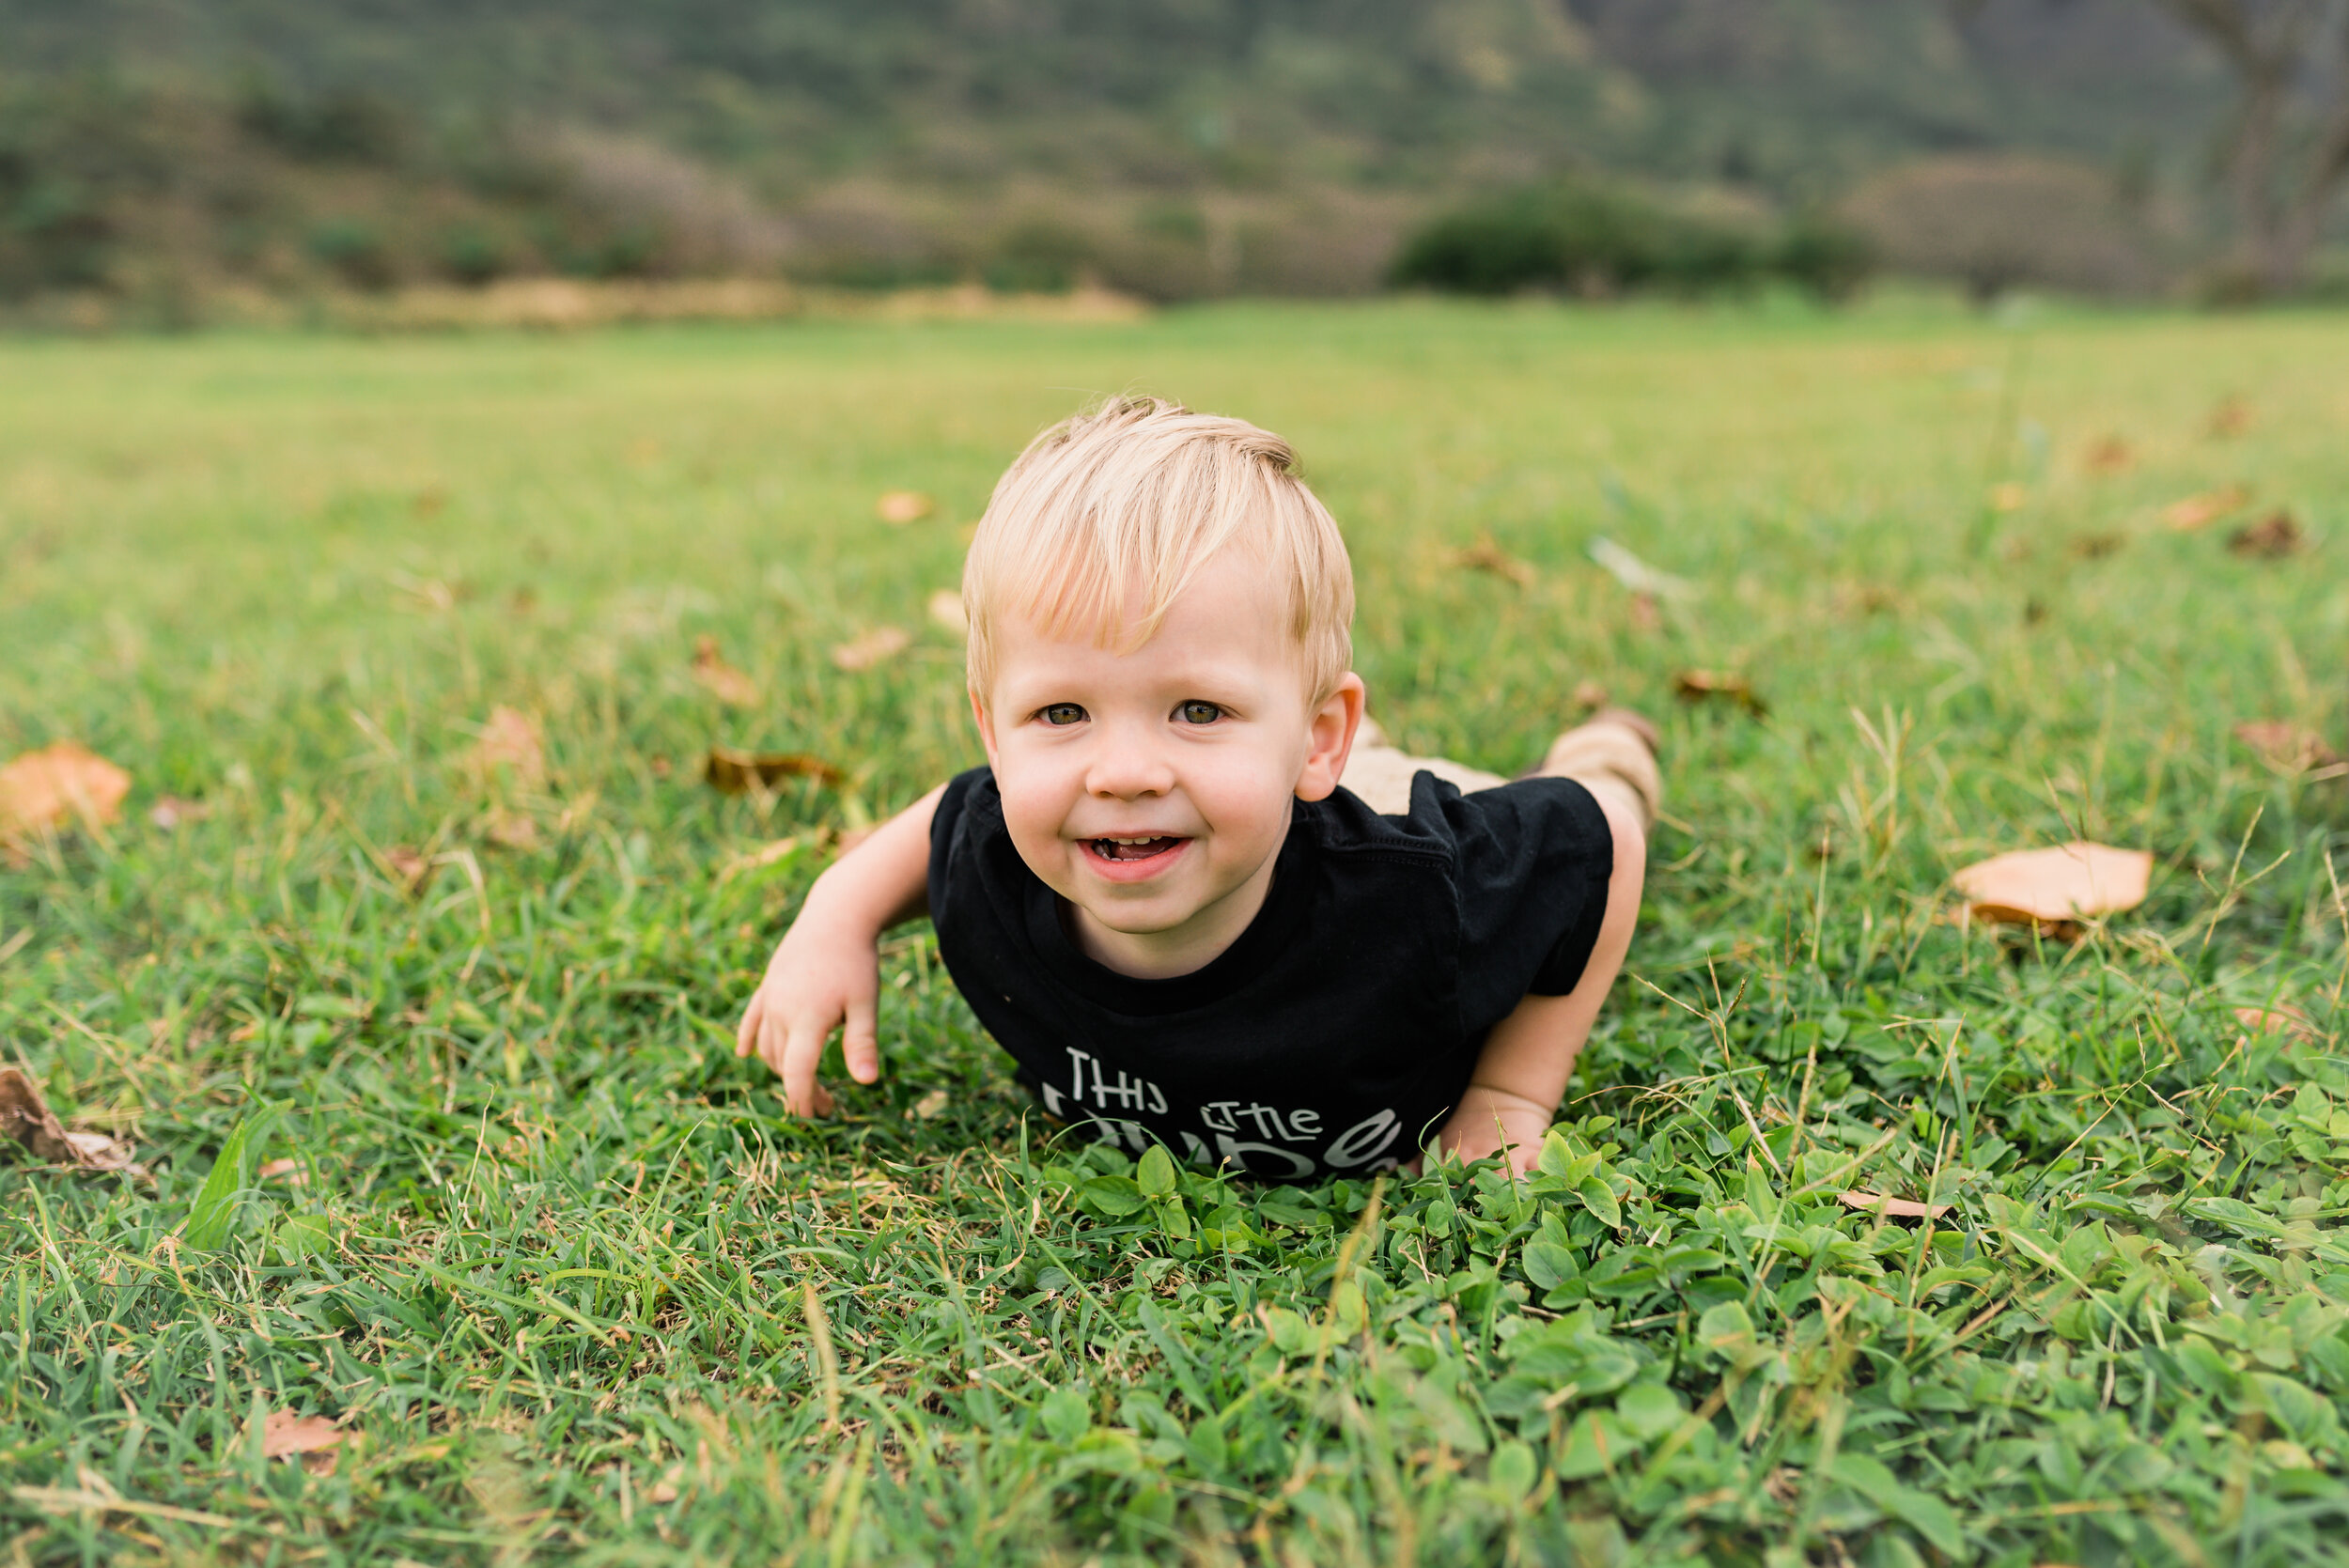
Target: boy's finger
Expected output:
[746,1032]
[801,1095]
[859,1042]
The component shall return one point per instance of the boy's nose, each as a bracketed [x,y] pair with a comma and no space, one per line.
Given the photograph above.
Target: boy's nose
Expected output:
[1125,770]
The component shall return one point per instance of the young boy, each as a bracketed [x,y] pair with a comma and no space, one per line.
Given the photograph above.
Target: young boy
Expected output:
[1181,896]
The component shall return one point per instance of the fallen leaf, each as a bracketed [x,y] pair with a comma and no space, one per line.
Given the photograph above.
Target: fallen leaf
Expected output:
[755,859]
[1487,555]
[2095,547]
[2055,888]
[510,830]
[510,741]
[44,790]
[2111,454]
[1865,599]
[171,811]
[2231,418]
[2279,1019]
[1892,1209]
[664,1490]
[1590,696]
[870,648]
[289,1169]
[945,609]
[720,679]
[903,506]
[2273,537]
[2202,510]
[2008,497]
[2287,747]
[409,869]
[27,1121]
[1636,574]
[732,772]
[1712,684]
[284,1433]
[931,1104]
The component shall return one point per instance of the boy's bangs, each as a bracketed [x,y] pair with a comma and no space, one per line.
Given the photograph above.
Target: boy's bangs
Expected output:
[1103,522]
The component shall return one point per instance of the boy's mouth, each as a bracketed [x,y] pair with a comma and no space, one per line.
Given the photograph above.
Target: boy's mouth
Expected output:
[1132,848]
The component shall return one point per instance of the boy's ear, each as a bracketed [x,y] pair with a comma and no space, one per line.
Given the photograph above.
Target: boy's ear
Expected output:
[1333,725]
[986,726]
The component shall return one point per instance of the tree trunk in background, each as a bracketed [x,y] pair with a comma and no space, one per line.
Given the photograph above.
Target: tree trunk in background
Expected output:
[2283,53]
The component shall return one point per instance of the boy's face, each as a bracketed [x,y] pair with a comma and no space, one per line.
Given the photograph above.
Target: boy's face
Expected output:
[1151,789]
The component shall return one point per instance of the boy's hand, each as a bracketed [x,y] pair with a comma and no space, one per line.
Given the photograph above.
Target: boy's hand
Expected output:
[1490,1120]
[826,972]
[821,978]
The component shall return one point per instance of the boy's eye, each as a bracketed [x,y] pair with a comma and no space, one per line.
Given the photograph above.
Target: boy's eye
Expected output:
[1200,713]
[1064,713]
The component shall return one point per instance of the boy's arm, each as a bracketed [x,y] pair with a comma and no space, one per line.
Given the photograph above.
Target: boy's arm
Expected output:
[826,972]
[1522,1072]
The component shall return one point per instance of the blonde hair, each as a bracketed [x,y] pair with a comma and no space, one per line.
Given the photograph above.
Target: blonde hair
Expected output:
[1140,492]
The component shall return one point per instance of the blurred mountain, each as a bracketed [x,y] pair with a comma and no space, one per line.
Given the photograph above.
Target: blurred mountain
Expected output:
[1188,145]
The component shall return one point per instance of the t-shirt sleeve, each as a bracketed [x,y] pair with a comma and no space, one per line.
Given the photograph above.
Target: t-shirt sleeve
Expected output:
[945,826]
[1534,859]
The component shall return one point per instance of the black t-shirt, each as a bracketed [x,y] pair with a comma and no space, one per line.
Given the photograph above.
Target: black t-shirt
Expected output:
[1339,1031]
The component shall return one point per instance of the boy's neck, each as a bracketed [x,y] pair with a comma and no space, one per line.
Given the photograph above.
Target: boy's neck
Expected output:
[1180,950]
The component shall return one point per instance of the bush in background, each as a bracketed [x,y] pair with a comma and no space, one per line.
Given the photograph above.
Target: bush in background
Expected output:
[1996,224]
[1602,240]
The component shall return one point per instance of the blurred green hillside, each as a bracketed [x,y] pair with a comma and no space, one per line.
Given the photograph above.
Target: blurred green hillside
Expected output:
[1201,147]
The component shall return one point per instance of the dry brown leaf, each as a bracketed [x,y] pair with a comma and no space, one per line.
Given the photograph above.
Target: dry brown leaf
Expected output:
[2285,746]
[284,1433]
[931,1104]
[2280,1019]
[27,1121]
[2112,454]
[289,1169]
[2201,511]
[2231,418]
[732,772]
[2273,537]
[510,741]
[903,506]
[1694,685]
[872,648]
[409,869]
[753,859]
[1892,1208]
[61,782]
[2095,547]
[664,1490]
[171,811]
[2055,888]
[1487,555]
[945,609]
[1590,696]
[511,829]
[720,679]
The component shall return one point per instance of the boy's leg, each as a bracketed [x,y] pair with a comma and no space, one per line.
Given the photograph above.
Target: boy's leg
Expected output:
[1381,773]
[1613,752]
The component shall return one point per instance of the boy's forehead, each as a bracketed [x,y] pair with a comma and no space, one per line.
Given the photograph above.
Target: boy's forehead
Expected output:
[1223,623]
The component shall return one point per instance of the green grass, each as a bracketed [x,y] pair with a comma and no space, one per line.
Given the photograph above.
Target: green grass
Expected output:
[555,1249]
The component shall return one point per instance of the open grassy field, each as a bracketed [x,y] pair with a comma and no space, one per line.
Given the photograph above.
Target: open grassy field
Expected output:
[505,1205]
